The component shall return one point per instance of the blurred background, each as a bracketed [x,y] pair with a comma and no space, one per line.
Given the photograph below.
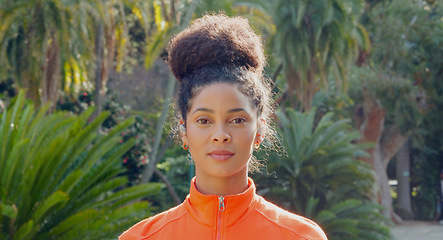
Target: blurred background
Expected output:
[86,148]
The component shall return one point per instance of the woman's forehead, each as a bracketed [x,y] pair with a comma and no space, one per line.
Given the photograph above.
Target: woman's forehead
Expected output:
[220,96]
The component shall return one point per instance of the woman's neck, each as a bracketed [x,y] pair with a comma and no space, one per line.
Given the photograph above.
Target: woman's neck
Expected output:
[221,186]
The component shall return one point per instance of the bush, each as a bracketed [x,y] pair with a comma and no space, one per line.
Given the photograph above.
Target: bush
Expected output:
[138,155]
[321,178]
[60,178]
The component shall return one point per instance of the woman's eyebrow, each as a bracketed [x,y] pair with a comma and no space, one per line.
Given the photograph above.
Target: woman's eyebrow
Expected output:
[203,110]
[234,110]
[237,110]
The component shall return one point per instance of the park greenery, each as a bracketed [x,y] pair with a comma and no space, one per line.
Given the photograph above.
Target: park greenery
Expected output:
[359,87]
[320,176]
[60,177]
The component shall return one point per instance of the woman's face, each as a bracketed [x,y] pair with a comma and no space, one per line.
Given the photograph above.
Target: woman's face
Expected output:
[221,128]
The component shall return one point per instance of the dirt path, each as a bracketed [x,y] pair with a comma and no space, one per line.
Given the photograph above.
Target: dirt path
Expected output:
[417,230]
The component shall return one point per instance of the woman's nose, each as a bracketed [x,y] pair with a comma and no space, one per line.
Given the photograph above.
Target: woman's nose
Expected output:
[221,135]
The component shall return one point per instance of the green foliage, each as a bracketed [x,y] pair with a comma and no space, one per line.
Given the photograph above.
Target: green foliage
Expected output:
[29,29]
[179,171]
[330,101]
[60,177]
[407,61]
[167,23]
[395,93]
[50,44]
[326,30]
[141,130]
[407,34]
[426,165]
[206,6]
[138,156]
[426,57]
[316,39]
[321,178]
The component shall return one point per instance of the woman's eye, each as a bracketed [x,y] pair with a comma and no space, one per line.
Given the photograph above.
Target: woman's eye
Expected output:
[203,121]
[239,120]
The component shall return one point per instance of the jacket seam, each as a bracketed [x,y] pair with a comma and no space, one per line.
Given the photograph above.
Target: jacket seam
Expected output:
[164,225]
[277,224]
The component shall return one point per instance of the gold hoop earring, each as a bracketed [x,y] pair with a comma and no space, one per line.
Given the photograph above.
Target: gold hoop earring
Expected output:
[185,146]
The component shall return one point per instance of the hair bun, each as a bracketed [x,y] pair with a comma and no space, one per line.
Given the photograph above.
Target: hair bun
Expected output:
[215,40]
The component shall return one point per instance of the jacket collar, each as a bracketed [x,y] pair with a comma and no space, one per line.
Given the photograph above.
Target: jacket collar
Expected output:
[205,208]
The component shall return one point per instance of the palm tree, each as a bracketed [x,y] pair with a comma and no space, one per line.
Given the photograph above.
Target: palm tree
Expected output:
[48,45]
[316,41]
[41,38]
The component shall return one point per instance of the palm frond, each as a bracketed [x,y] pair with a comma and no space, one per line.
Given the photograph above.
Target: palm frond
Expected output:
[321,177]
[54,189]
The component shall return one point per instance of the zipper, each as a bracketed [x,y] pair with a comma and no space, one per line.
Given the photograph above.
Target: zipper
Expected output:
[221,209]
[221,203]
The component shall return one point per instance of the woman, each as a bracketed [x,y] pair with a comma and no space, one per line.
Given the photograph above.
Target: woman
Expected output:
[225,104]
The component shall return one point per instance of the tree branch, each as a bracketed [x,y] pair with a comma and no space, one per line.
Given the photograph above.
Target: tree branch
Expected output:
[165,14]
[168,185]
[391,142]
[149,169]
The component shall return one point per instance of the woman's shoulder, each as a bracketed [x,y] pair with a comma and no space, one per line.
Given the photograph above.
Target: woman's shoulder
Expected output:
[153,224]
[290,221]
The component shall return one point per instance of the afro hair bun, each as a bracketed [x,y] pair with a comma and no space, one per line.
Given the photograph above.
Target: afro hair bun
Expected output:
[215,40]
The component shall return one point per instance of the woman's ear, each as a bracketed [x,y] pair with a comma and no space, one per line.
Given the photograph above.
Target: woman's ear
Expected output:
[183,134]
[260,131]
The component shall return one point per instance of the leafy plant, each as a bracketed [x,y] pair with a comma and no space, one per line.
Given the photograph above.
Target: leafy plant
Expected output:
[316,39]
[60,177]
[179,172]
[141,130]
[409,42]
[50,45]
[396,94]
[321,178]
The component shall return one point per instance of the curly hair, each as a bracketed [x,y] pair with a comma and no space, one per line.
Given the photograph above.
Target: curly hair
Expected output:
[221,49]
[215,40]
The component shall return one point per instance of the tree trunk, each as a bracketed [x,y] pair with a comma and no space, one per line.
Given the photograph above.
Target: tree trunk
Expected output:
[164,12]
[384,190]
[98,70]
[309,88]
[151,166]
[391,141]
[31,62]
[51,72]
[370,119]
[403,207]
[294,85]
[109,52]
[303,89]
[105,58]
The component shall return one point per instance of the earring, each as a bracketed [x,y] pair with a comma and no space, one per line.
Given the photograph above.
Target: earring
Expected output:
[256,145]
[185,146]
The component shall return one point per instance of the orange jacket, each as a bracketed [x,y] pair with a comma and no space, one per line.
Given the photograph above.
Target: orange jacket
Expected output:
[243,216]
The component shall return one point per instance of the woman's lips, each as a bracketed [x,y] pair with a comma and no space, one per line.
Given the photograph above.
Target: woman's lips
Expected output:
[221,155]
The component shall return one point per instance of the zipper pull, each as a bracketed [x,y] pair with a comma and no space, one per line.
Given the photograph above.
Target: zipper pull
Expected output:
[221,203]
